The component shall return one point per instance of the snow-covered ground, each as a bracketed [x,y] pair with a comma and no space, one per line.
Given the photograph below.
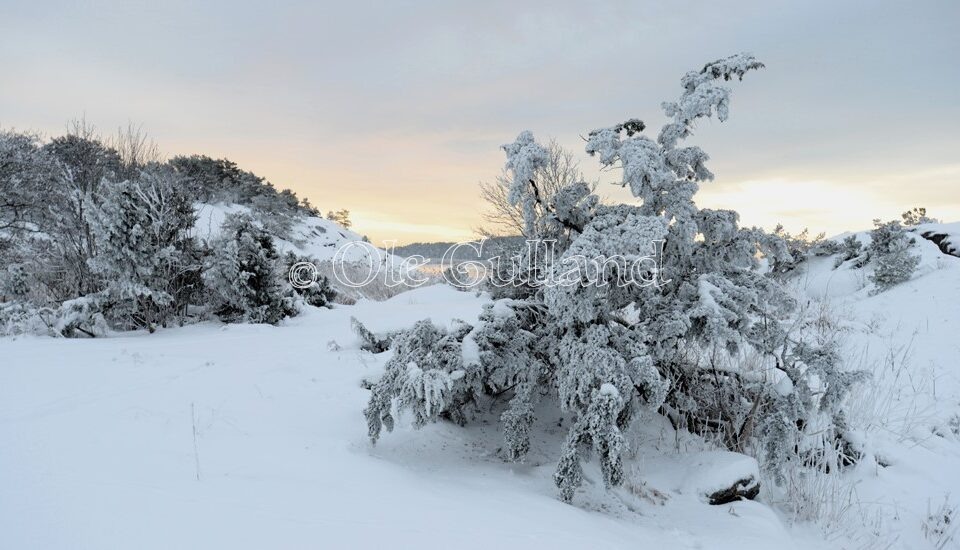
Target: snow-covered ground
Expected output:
[251,436]
[98,447]
[909,339]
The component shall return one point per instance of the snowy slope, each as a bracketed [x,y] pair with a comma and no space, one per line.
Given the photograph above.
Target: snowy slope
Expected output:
[310,236]
[244,436]
[909,339]
[98,451]
[323,242]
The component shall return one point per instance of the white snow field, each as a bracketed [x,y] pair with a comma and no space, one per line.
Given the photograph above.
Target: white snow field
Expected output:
[252,436]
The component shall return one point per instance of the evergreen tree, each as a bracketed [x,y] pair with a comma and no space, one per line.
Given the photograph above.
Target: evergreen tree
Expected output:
[318,293]
[890,250]
[916,216]
[244,277]
[606,348]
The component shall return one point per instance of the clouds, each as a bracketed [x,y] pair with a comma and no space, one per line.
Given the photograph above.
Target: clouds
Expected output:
[362,103]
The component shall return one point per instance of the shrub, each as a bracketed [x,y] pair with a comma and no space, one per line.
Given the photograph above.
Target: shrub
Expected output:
[608,350]
[890,249]
[244,276]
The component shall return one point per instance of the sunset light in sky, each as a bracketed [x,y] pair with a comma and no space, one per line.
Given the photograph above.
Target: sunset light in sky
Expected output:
[397,111]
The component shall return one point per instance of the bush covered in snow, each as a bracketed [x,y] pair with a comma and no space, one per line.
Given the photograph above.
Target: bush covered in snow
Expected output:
[607,352]
[244,277]
[148,261]
[890,250]
[319,292]
[107,224]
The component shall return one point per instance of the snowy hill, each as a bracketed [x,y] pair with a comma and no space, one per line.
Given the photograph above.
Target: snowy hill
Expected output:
[319,239]
[908,338]
[309,236]
[251,436]
[933,243]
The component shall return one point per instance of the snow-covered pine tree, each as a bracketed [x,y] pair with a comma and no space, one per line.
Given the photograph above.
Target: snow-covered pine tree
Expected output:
[890,250]
[916,216]
[318,293]
[426,376]
[41,215]
[851,249]
[26,175]
[606,350]
[14,284]
[800,247]
[244,275]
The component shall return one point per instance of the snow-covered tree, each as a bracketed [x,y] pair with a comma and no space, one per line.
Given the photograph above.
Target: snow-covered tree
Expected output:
[81,217]
[14,283]
[48,190]
[146,255]
[26,176]
[244,275]
[916,216]
[800,247]
[83,163]
[890,251]
[559,171]
[318,293]
[851,249]
[425,376]
[652,322]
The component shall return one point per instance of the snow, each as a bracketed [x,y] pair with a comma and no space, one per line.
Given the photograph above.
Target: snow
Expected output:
[97,445]
[907,337]
[97,442]
[700,474]
[609,389]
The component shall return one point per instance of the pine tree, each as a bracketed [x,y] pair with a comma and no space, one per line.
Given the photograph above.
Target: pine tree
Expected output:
[916,216]
[318,292]
[851,249]
[244,277]
[426,376]
[620,336]
[890,250]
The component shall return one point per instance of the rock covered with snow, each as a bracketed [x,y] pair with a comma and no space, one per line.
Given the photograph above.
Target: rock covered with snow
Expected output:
[945,235]
[717,477]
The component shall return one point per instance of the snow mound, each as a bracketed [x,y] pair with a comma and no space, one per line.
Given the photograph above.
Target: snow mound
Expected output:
[702,473]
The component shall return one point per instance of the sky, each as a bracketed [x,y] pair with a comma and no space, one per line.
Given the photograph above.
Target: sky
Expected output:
[396,110]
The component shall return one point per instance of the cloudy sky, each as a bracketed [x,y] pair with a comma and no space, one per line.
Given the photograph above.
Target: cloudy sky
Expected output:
[395,110]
